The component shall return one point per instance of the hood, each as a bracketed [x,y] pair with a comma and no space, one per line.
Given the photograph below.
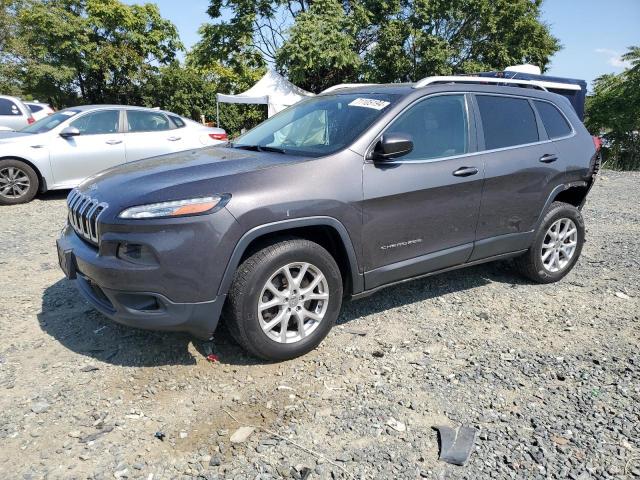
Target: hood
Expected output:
[188,174]
[10,136]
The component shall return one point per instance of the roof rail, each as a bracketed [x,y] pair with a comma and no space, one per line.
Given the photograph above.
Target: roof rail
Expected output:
[346,85]
[540,84]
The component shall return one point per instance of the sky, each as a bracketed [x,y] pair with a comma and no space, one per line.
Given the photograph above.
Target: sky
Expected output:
[593,33]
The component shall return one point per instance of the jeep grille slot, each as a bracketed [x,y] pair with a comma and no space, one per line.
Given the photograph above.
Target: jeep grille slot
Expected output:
[84,213]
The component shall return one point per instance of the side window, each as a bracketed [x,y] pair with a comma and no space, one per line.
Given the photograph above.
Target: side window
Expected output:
[98,123]
[34,108]
[7,107]
[141,121]
[437,126]
[177,121]
[507,121]
[554,122]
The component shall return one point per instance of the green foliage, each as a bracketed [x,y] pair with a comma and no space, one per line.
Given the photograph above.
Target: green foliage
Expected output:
[323,42]
[613,111]
[92,51]
[319,51]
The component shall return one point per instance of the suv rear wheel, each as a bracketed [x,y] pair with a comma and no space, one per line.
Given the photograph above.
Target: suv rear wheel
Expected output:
[18,182]
[557,245]
[284,299]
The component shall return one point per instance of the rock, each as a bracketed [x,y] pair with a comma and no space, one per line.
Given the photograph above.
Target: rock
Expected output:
[241,434]
[184,434]
[396,425]
[559,440]
[624,296]
[40,407]
[215,461]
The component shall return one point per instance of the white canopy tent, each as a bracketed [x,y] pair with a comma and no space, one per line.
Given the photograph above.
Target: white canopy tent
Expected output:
[272,89]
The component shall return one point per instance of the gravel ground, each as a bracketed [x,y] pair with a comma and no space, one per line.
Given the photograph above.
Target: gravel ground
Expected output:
[549,375]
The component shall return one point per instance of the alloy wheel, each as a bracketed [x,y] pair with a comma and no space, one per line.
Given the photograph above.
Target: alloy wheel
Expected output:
[14,182]
[293,302]
[559,245]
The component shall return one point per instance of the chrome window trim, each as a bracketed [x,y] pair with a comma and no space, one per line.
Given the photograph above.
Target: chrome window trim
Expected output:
[478,152]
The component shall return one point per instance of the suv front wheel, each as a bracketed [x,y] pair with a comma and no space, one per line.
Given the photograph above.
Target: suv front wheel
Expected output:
[557,245]
[284,299]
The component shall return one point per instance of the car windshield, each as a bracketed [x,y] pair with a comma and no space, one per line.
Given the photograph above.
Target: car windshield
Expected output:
[52,121]
[318,126]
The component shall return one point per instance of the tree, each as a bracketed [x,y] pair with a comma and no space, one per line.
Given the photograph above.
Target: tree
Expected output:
[99,51]
[613,111]
[319,51]
[384,41]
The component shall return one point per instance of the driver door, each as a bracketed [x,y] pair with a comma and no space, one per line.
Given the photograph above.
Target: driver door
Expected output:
[99,146]
[421,209]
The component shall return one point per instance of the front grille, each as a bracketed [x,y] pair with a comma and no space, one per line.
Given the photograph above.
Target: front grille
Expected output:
[84,213]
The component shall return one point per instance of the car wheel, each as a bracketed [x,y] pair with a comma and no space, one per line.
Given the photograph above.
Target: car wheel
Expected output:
[18,182]
[284,299]
[557,245]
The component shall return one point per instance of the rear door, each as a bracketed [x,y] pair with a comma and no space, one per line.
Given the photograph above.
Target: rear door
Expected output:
[522,166]
[421,210]
[99,146]
[149,134]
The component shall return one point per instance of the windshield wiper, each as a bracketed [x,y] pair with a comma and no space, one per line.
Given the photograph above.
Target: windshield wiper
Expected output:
[259,148]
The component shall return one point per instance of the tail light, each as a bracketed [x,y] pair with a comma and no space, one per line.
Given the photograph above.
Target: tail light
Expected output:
[219,136]
[597,142]
[31,120]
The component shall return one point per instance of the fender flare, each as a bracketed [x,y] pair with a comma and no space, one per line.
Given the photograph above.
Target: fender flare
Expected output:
[554,193]
[283,225]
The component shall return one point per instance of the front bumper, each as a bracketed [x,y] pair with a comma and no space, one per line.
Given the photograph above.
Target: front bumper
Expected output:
[116,288]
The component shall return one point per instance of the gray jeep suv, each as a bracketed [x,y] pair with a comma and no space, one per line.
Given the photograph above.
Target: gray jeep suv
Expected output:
[333,198]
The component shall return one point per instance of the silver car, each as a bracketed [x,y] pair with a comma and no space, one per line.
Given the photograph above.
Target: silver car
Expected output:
[14,114]
[61,150]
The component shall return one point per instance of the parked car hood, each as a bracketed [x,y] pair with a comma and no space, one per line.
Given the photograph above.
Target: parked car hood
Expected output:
[11,136]
[181,175]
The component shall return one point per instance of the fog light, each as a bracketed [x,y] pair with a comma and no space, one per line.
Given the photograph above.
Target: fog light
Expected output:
[136,253]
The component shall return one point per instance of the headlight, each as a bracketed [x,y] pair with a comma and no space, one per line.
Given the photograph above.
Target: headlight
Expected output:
[176,208]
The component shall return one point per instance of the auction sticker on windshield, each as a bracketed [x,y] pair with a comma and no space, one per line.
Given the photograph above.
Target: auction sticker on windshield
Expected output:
[369,103]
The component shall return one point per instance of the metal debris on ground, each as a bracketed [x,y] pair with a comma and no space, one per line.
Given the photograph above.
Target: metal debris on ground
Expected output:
[353,331]
[456,444]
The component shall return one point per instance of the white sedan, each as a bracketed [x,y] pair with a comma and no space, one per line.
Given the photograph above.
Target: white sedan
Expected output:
[62,149]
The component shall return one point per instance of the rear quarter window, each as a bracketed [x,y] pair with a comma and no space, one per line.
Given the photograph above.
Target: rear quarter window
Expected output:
[554,122]
[7,107]
[507,121]
[177,121]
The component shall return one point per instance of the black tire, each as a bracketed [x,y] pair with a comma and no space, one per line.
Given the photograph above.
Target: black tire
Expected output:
[241,308]
[531,265]
[10,198]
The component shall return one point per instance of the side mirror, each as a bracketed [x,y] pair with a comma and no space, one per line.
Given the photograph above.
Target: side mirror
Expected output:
[392,146]
[69,132]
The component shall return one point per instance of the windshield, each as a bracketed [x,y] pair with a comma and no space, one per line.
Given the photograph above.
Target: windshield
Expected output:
[318,126]
[52,121]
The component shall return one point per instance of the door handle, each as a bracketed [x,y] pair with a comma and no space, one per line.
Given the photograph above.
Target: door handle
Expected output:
[548,158]
[113,142]
[173,139]
[465,171]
